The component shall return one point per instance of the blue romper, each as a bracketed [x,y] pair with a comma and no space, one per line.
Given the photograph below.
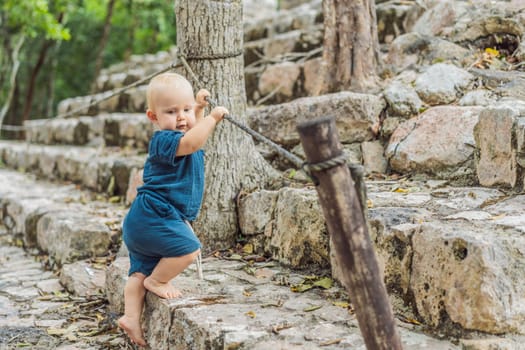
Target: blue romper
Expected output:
[156,225]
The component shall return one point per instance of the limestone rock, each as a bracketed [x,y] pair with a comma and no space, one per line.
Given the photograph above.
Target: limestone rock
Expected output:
[439,142]
[440,83]
[501,160]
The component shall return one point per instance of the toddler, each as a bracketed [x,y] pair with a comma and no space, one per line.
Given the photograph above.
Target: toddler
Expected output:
[157,230]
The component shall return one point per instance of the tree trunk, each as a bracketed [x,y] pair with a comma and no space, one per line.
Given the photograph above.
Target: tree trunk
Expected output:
[208,28]
[12,77]
[50,108]
[103,41]
[32,81]
[350,46]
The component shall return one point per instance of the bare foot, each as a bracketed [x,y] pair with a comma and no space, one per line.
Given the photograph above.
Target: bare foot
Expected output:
[163,290]
[132,329]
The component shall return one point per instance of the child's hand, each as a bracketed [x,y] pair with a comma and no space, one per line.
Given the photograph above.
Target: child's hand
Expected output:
[218,113]
[201,98]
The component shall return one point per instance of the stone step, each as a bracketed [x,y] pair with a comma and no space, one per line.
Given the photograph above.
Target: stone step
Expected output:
[270,42]
[300,17]
[130,101]
[104,170]
[251,306]
[452,255]
[37,313]
[128,130]
[60,220]
[296,30]
[449,249]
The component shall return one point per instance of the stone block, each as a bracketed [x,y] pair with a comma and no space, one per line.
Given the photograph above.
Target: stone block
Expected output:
[373,157]
[69,236]
[279,82]
[470,275]
[433,143]
[299,237]
[256,210]
[357,117]
[115,280]
[500,139]
[83,279]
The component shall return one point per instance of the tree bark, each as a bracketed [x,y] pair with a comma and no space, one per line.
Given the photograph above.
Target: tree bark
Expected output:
[12,77]
[99,60]
[208,28]
[32,81]
[350,46]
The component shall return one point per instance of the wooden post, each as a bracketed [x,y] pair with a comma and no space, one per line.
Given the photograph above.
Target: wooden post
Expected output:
[348,229]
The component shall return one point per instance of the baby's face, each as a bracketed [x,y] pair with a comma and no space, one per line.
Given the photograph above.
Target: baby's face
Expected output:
[173,108]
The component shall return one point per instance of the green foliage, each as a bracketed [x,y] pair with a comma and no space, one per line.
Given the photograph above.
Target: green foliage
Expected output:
[141,26]
[33,18]
[137,27]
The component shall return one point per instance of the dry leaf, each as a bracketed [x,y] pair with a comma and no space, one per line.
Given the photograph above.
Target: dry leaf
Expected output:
[56,331]
[497,217]
[343,304]
[248,248]
[312,308]
[264,273]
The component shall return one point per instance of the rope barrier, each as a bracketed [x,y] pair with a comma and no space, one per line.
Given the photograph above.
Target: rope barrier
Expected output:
[298,162]
[119,91]
[13,127]
[295,160]
[211,56]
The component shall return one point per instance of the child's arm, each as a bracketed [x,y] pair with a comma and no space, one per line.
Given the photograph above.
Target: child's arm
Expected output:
[196,137]
[200,104]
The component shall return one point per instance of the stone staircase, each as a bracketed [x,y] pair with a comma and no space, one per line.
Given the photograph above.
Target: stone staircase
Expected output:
[452,257]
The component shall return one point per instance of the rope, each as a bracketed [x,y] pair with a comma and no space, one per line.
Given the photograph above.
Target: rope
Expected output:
[325,165]
[119,91]
[211,56]
[298,162]
[12,127]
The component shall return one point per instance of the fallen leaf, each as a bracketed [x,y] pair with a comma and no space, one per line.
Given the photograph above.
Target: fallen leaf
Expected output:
[492,52]
[264,273]
[331,342]
[248,248]
[234,257]
[300,288]
[325,282]
[343,304]
[401,190]
[114,199]
[56,331]
[497,217]
[250,270]
[276,329]
[312,308]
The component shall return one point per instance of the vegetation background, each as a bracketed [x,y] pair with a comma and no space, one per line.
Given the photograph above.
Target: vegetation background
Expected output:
[54,49]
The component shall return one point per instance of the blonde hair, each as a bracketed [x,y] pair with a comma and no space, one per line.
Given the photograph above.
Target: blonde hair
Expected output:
[173,80]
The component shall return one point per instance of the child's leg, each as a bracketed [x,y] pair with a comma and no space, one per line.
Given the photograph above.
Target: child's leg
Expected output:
[134,294]
[167,269]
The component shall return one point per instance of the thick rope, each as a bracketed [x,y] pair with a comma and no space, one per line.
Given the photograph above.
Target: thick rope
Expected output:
[120,91]
[296,161]
[12,127]
[211,56]
[325,165]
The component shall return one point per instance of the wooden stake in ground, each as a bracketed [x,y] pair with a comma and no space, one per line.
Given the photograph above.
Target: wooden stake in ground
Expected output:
[348,230]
